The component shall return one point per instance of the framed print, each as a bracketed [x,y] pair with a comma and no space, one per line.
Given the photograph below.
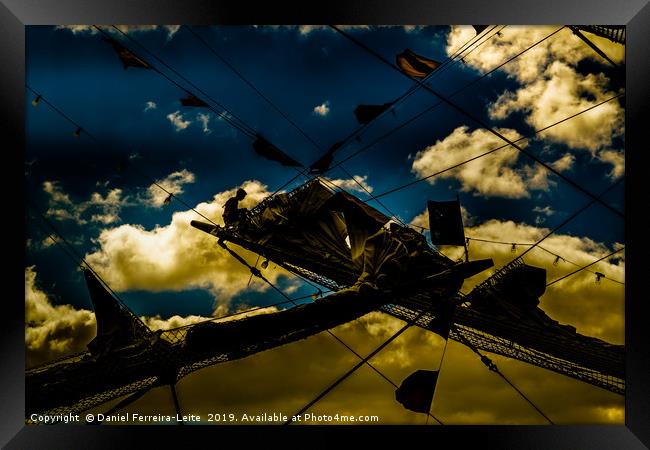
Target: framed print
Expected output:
[364,218]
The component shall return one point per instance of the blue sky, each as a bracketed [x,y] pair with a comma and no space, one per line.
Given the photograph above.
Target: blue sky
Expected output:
[81,75]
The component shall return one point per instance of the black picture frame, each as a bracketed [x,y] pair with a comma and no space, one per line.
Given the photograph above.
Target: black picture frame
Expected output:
[15,14]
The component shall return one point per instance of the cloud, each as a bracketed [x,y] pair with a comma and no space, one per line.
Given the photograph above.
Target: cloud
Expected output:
[551,88]
[492,175]
[547,211]
[563,46]
[150,105]
[323,109]
[617,160]
[349,184]
[109,206]
[467,393]
[172,183]
[559,93]
[564,163]
[176,119]
[594,309]
[56,193]
[52,331]
[98,208]
[204,119]
[129,29]
[543,213]
[47,243]
[157,323]
[177,256]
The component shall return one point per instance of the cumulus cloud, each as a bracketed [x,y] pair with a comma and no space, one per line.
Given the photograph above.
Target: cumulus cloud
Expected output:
[617,160]
[323,109]
[494,175]
[177,256]
[551,88]
[205,120]
[52,331]
[176,321]
[563,46]
[149,106]
[356,183]
[98,208]
[172,183]
[559,93]
[564,163]
[177,120]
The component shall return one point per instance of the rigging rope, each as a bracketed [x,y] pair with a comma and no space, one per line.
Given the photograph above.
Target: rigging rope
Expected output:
[442,359]
[493,367]
[435,105]
[285,116]
[379,349]
[584,267]
[418,180]
[359,130]
[358,365]
[571,217]
[251,85]
[484,359]
[480,122]
[541,248]
[130,165]
[257,273]
[241,125]
[449,62]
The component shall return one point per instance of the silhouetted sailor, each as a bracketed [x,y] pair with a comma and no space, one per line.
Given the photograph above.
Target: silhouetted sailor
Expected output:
[232,214]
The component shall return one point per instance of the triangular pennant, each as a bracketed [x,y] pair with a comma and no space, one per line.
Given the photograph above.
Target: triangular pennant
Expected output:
[479,28]
[415,65]
[193,100]
[416,391]
[366,113]
[323,164]
[128,58]
[269,151]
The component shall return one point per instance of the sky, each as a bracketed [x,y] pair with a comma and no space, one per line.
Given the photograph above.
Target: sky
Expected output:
[172,274]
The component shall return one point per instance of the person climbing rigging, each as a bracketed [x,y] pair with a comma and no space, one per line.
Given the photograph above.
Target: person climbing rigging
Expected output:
[232,214]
